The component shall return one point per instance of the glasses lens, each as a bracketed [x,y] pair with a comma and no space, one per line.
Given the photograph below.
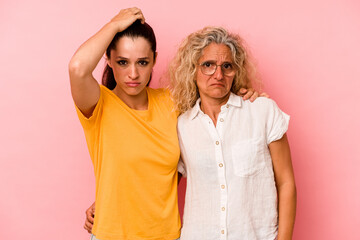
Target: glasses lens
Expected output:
[208,68]
[227,69]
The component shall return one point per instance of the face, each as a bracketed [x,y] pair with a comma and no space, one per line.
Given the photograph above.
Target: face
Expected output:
[132,62]
[215,86]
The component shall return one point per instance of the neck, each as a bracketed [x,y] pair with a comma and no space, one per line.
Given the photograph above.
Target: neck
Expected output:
[212,106]
[137,102]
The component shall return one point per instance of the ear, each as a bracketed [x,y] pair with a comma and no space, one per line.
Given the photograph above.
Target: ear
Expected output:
[108,62]
[155,57]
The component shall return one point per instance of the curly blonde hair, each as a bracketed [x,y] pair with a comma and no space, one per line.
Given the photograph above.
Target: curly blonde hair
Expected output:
[183,67]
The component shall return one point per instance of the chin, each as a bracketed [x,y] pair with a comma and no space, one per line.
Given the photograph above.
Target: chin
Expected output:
[134,91]
[219,94]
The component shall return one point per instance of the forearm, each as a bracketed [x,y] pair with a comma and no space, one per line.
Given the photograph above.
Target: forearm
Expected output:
[85,89]
[287,210]
[89,53]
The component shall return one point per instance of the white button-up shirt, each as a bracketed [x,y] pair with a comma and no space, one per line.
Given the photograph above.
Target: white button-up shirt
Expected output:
[231,192]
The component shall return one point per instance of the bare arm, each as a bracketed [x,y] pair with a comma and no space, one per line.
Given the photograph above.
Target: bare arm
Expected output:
[84,88]
[285,183]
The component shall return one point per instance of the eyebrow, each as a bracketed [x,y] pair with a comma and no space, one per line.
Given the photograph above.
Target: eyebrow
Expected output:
[214,61]
[142,58]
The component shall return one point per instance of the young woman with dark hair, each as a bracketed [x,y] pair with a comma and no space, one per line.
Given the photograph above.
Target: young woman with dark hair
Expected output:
[130,131]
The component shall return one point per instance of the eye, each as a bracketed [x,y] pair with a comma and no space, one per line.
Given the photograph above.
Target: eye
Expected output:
[143,63]
[122,62]
[227,66]
[207,64]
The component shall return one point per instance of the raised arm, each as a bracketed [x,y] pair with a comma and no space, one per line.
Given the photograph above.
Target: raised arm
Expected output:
[285,183]
[84,88]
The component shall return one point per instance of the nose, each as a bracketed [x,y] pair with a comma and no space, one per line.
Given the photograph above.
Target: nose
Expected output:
[218,74]
[133,72]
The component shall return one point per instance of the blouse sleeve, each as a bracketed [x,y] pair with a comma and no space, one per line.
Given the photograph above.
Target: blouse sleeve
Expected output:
[276,124]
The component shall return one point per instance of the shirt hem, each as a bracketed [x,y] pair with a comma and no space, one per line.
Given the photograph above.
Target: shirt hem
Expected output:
[104,236]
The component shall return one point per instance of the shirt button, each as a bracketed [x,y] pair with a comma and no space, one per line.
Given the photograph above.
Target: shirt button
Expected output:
[222,186]
[223,209]
[221,119]
[227,105]
[217,142]
[221,165]
[222,231]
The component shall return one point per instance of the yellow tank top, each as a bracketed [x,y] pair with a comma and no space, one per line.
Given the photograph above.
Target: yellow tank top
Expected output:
[135,156]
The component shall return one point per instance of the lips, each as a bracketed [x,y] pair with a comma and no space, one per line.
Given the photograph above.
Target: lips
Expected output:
[217,85]
[132,84]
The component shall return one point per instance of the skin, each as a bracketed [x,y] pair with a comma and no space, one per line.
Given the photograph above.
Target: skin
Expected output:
[132,62]
[214,92]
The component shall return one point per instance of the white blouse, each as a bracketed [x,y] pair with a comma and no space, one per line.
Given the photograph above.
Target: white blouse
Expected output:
[231,192]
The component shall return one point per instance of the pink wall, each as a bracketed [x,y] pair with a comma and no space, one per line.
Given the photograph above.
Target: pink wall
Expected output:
[307,53]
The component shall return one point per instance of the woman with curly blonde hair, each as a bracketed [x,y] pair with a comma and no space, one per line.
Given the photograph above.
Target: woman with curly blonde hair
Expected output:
[184,65]
[235,154]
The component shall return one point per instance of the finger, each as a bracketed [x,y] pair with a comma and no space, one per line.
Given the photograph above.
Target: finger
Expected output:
[254,96]
[248,94]
[135,9]
[141,17]
[264,94]
[88,227]
[243,90]
[90,218]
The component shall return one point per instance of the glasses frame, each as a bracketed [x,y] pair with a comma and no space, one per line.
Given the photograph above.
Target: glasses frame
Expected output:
[217,65]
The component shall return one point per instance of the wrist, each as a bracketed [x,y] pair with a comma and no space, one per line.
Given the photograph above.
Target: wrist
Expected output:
[114,27]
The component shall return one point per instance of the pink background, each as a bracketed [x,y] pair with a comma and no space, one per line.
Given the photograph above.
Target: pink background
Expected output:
[307,54]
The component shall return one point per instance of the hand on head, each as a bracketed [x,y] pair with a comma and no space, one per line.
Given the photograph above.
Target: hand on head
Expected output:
[126,17]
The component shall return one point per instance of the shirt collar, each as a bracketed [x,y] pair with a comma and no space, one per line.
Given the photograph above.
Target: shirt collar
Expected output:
[195,110]
[233,100]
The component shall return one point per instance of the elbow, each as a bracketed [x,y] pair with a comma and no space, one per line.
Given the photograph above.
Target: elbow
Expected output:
[77,69]
[289,188]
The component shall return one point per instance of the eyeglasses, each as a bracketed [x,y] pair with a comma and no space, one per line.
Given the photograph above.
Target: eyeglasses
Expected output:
[209,68]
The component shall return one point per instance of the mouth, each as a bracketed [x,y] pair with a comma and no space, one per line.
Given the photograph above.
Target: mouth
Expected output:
[217,85]
[132,84]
